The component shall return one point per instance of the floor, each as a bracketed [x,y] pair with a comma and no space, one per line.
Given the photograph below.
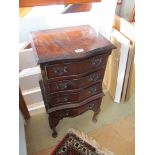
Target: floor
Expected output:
[113,130]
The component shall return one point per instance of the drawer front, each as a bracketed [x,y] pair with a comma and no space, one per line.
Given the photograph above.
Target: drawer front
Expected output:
[75,68]
[77,111]
[70,98]
[64,99]
[90,91]
[72,84]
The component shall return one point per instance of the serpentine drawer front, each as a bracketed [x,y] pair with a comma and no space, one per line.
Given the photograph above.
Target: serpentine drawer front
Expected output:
[76,111]
[74,68]
[72,62]
[64,98]
[76,83]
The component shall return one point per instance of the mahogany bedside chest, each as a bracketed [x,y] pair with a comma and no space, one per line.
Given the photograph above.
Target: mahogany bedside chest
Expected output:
[72,62]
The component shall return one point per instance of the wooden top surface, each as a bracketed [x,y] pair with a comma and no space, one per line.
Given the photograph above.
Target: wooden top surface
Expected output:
[31,3]
[68,43]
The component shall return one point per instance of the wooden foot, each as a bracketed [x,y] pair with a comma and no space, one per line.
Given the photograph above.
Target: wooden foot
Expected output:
[54,134]
[53,123]
[96,110]
[94,119]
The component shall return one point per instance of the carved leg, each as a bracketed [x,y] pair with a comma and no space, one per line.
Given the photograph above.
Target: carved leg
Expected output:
[94,119]
[53,123]
[54,134]
[96,110]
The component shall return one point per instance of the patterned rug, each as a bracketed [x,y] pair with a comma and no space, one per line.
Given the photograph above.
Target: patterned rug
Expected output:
[78,143]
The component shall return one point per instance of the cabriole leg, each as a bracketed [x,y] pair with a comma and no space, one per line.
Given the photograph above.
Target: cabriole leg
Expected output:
[53,123]
[94,119]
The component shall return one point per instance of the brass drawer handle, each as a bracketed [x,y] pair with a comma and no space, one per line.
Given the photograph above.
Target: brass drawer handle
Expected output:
[63,99]
[92,90]
[60,70]
[93,77]
[97,62]
[61,85]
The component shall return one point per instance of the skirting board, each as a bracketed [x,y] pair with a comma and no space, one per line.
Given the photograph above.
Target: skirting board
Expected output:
[125,44]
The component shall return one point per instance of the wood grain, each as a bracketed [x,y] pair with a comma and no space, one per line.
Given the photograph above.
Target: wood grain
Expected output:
[31,3]
[76,83]
[62,43]
[76,96]
[66,53]
[68,68]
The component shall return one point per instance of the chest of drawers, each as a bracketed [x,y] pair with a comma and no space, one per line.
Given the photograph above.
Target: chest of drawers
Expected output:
[72,62]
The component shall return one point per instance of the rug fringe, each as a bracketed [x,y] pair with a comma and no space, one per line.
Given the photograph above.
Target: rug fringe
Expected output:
[91,141]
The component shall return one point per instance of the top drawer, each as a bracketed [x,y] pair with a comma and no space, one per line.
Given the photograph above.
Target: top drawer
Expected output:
[75,68]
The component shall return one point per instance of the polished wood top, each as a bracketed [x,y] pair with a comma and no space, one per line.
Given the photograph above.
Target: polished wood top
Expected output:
[31,3]
[68,43]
